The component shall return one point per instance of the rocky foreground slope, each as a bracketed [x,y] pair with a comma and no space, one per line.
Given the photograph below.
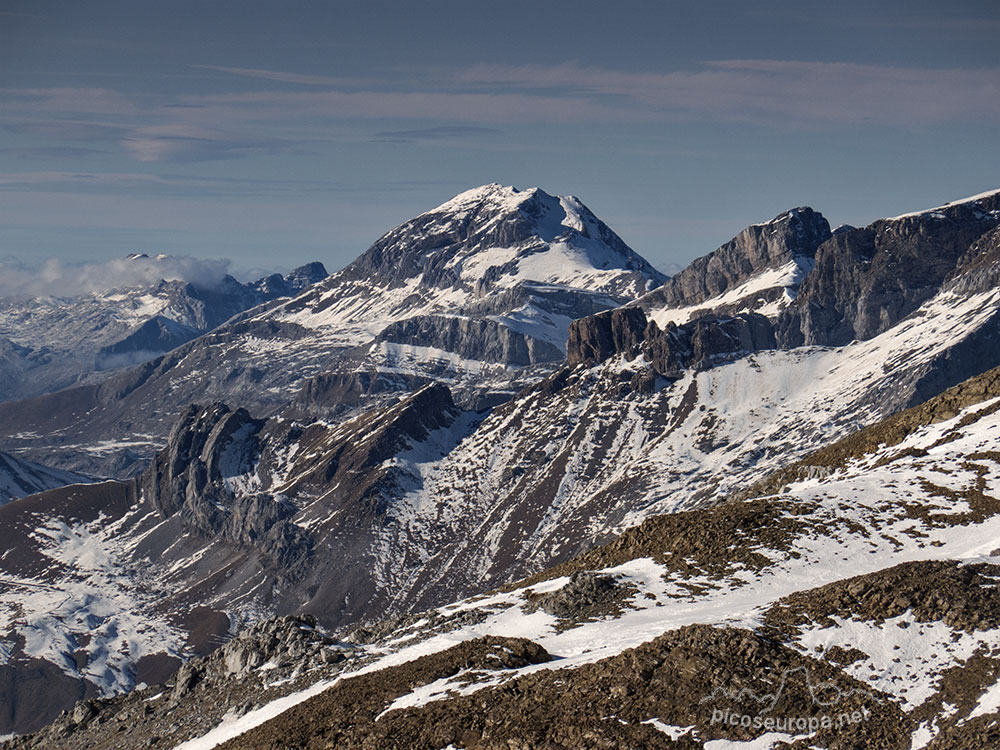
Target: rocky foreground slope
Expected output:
[846,601]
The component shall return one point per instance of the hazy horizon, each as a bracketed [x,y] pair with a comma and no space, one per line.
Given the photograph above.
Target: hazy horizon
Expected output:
[275,135]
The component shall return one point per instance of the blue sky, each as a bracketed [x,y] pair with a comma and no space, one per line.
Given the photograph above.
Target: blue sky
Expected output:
[277,133]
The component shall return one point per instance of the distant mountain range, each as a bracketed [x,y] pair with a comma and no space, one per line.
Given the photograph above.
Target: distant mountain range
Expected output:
[51,343]
[477,293]
[753,465]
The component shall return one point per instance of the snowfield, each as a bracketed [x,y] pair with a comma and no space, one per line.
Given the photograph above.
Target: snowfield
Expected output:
[862,518]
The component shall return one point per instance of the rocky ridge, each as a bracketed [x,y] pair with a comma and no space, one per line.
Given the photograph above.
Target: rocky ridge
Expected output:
[790,238]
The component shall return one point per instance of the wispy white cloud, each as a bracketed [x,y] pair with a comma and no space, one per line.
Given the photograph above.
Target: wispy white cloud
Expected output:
[66,129]
[56,278]
[23,180]
[431,104]
[447,132]
[69,99]
[286,77]
[44,153]
[180,142]
[479,100]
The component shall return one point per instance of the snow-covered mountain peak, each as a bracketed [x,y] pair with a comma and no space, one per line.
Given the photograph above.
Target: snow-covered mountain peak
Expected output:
[500,196]
[498,237]
[553,216]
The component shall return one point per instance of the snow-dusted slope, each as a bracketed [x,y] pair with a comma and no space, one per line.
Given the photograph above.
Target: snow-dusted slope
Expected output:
[477,293]
[950,204]
[759,270]
[862,597]
[492,252]
[766,292]
[423,500]
[19,478]
[430,503]
[546,474]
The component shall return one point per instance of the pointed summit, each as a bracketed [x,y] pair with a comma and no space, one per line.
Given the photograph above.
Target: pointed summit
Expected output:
[496,236]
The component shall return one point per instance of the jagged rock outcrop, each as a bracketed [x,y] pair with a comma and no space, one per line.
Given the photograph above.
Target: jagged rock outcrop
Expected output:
[794,234]
[340,390]
[208,450]
[602,336]
[699,344]
[227,681]
[706,342]
[866,280]
[978,270]
[374,438]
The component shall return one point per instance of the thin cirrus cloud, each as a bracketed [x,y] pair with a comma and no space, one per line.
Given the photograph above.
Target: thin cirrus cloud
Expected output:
[773,94]
[59,99]
[444,133]
[44,153]
[284,76]
[187,143]
[68,130]
[771,90]
[460,106]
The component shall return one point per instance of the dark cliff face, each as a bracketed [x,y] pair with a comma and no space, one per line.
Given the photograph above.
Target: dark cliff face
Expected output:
[217,473]
[358,450]
[208,449]
[794,234]
[866,280]
[705,342]
[699,344]
[602,336]
[978,270]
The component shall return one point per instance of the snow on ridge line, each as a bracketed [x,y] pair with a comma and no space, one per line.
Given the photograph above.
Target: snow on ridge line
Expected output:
[787,276]
[950,204]
[234,727]
[506,196]
[787,215]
